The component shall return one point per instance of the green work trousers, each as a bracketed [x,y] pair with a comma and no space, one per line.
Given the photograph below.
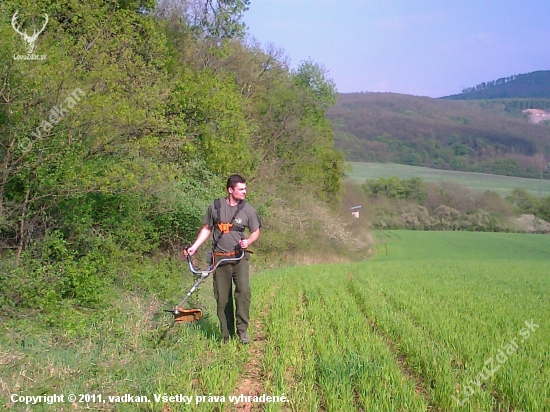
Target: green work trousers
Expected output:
[224,277]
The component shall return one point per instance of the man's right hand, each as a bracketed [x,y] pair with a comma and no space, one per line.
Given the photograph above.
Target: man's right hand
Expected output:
[191,250]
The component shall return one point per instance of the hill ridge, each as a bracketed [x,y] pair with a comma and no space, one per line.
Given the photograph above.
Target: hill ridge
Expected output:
[527,85]
[486,136]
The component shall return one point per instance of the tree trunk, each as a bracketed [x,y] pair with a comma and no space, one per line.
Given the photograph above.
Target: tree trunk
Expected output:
[22,229]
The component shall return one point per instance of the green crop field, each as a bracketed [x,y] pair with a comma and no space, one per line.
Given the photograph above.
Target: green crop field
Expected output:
[503,185]
[436,321]
[421,327]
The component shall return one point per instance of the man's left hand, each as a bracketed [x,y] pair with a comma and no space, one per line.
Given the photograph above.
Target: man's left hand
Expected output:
[243,243]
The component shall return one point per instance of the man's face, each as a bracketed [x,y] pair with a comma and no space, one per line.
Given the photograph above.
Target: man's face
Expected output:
[239,191]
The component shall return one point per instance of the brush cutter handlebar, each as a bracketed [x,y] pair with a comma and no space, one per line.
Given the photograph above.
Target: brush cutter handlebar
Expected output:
[212,269]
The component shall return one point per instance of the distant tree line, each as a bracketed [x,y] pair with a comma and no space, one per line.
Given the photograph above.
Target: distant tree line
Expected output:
[522,104]
[528,85]
[493,83]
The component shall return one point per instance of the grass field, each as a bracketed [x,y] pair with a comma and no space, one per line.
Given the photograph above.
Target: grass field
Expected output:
[436,321]
[503,185]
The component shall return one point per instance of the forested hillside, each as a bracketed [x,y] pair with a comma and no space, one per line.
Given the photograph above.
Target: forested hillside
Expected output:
[490,136]
[112,146]
[529,85]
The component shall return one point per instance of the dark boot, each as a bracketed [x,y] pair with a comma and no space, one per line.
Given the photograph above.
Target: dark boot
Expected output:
[243,336]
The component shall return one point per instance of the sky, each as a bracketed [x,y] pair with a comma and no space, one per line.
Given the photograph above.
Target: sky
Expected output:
[421,47]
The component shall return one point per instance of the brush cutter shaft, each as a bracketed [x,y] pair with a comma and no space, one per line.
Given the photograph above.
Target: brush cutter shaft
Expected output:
[193,288]
[204,274]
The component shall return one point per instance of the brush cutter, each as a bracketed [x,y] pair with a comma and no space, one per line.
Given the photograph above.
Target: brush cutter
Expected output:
[191,315]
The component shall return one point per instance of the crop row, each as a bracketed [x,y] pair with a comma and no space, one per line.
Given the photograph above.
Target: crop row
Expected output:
[384,336]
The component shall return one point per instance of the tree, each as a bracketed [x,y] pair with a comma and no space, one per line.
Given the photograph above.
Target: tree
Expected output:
[209,112]
[213,19]
[524,201]
[544,209]
[293,140]
[81,121]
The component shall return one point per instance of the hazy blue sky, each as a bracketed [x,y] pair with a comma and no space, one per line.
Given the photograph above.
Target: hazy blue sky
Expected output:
[421,47]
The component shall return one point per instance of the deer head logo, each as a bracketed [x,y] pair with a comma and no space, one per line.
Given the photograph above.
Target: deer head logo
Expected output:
[29,39]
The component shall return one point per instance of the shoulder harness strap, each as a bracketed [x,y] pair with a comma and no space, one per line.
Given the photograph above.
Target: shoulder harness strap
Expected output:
[218,206]
[226,227]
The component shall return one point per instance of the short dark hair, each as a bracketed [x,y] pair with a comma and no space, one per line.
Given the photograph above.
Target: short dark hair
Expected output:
[233,180]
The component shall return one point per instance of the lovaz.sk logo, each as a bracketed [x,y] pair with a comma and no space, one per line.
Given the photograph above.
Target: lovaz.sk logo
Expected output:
[30,40]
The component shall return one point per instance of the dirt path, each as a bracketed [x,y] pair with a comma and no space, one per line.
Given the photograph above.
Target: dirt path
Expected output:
[251,381]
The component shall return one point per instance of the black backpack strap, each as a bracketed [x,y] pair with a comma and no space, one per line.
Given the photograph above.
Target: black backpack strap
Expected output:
[218,207]
[217,219]
[240,206]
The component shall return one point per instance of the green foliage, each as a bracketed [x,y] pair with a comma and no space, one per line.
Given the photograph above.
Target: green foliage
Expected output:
[57,277]
[314,78]
[294,141]
[160,103]
[544,209]
[395,188]
[524,201]
[209,112]
[528,203]
[506,167]
[180,206]
[461,150]
[210,19]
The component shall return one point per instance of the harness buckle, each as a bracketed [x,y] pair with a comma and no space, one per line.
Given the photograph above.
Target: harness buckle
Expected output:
[225,227]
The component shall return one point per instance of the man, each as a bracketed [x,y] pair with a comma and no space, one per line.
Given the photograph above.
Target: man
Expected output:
[229,217]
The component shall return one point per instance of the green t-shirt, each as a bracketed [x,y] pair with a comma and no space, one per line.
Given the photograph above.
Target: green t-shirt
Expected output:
[246,218]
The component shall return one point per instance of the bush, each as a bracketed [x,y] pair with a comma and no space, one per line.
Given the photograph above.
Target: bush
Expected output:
[544,209]
[394,188]
[58,276]
[301,224]
[411,204]
[180,205]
